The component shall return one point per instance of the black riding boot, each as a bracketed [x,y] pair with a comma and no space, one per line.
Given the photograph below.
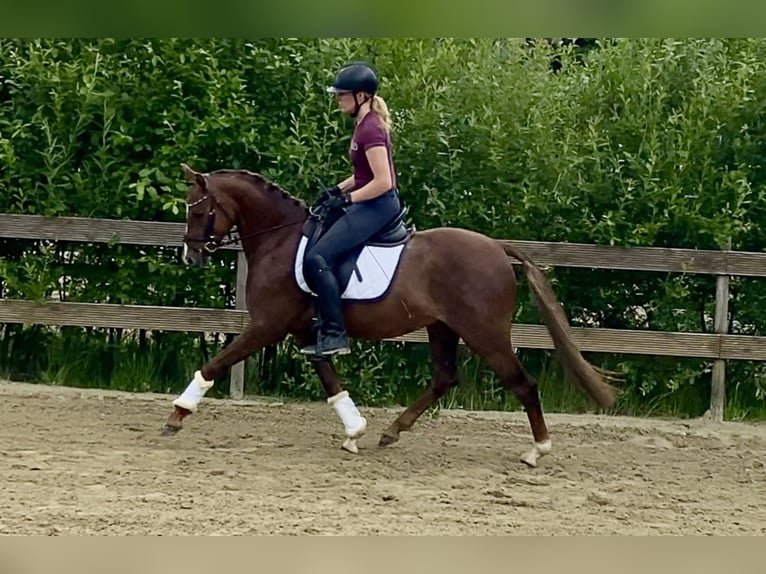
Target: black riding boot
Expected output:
[331,335]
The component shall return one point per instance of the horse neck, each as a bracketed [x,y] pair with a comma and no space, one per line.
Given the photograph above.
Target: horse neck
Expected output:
[264,212]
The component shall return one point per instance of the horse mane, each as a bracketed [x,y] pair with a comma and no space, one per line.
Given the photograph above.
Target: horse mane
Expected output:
[261,181]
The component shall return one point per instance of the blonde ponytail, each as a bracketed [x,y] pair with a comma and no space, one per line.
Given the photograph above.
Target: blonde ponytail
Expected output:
[378,105]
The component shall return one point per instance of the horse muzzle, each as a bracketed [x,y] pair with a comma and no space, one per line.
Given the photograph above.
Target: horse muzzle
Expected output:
[196,257]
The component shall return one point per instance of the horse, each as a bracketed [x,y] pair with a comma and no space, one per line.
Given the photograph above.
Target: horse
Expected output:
[453,282]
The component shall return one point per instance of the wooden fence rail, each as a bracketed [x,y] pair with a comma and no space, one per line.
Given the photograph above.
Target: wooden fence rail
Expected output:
[718,346]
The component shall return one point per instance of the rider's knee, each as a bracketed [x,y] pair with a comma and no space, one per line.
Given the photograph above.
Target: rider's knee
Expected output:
[314,263]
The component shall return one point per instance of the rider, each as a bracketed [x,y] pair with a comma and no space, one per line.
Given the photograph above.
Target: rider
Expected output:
[368,199]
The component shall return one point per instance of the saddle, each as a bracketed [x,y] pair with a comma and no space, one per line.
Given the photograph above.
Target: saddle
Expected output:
[393,234]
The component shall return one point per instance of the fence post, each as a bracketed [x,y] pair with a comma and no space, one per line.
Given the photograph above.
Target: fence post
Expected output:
[237,380]
[721,324]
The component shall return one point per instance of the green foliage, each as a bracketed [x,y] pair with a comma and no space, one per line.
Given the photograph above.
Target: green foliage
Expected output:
[654,142]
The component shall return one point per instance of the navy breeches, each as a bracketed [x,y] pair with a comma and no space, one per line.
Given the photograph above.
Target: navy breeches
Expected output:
[360,222]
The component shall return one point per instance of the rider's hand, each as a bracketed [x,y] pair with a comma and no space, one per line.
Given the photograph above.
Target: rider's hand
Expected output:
[327,194]
[338,202]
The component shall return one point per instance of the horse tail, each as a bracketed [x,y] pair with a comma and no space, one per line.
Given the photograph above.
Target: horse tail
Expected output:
[591,379]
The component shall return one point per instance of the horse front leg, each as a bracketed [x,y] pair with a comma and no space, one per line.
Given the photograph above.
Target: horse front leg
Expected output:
[251,339]
[354,423]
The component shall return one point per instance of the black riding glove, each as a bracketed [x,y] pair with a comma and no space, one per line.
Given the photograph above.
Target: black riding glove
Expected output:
[338,202]
[327,194]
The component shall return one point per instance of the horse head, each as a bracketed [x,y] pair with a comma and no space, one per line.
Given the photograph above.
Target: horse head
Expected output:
[210,216]
[218,202]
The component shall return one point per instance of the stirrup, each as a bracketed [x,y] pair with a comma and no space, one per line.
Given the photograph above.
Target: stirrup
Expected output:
[339,344]
[314,350]
[341,350]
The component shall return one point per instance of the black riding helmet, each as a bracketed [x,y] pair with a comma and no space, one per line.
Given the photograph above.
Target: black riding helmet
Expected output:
[355,78]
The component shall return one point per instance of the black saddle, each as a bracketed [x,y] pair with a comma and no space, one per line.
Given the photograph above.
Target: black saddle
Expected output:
[393,233]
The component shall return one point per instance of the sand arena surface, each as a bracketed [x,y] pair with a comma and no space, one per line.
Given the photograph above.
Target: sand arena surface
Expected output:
[75,461]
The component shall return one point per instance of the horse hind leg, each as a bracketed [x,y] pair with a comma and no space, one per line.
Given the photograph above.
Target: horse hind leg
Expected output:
[494,346]
[443,342]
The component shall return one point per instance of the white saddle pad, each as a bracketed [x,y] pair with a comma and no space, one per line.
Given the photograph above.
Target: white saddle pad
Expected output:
[377,266]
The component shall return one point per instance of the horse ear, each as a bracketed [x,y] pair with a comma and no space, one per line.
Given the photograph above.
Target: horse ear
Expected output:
[189,173]
[193,176]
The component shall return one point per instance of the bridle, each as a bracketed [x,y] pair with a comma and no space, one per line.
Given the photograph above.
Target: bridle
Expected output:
[211,244]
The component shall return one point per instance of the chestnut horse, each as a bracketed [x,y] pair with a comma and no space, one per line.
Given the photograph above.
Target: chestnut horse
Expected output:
[453,282]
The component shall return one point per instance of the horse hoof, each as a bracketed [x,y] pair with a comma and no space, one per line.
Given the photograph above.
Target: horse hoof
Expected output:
[387,439]
[349,445]
[168,430]
[530,459]
[539,449]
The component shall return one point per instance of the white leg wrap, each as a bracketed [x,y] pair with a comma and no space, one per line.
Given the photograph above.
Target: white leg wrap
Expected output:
[539,449]
[353,422]
[193,394]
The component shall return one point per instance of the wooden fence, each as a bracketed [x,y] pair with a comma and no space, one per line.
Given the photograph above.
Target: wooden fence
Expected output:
[718,346]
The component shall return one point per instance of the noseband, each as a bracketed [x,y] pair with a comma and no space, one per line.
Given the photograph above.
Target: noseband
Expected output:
[209,241]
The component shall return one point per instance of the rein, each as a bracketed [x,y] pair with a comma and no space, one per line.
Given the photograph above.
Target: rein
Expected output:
[211,244]
[239,237]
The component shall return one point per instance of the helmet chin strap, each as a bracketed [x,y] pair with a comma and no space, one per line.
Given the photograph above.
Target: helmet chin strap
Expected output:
[357,105]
